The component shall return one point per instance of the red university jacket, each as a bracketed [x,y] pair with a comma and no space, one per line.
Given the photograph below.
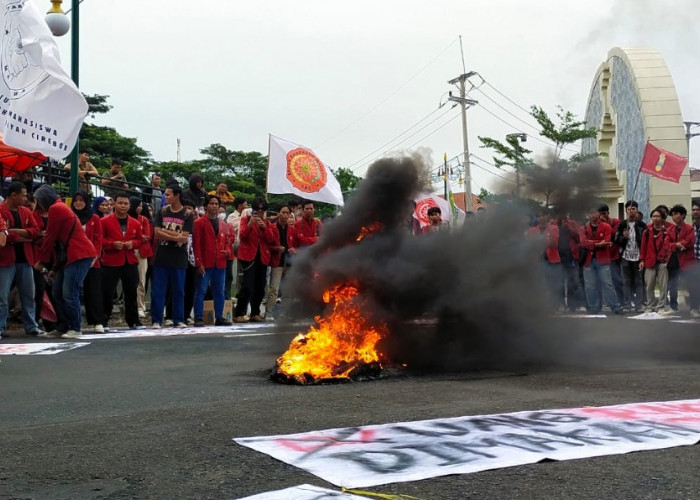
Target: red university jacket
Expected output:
[655,249]
[210,249]
[93,230]
[253,238]
[550,241]
[61,220]
[589,238]
[308,232]
[7,253]
[292,242]
[686,237]
[112,233]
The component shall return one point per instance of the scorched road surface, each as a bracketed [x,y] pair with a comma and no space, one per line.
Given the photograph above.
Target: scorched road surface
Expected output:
[155,417]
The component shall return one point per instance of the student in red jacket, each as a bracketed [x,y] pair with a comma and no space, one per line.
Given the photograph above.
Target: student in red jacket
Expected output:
[653,258]
[211,249]
[17,257]
[121,237]
[596,241]
[144,251]
[92,285]
[253,258]
[548,239]
[64,227]
[682,241]
[308,228]
[282,252]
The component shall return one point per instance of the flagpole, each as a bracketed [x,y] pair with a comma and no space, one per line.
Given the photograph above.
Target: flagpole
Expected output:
[267,183]
[641,164]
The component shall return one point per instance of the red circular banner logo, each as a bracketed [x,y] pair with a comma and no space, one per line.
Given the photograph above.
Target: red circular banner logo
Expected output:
[422,209]
[305,171]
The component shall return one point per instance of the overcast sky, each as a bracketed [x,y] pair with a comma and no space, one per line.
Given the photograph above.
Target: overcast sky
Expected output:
[347,78]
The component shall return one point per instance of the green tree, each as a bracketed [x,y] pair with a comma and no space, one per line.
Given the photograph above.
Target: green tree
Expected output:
[567,131]
[347,179]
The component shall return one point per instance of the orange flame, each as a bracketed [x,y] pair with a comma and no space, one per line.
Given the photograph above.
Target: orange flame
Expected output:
[343,340]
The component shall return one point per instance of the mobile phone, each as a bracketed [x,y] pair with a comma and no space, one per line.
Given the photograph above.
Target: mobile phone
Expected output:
[254,213]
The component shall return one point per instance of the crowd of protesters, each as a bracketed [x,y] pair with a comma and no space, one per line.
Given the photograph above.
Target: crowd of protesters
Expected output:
[105,250]
[192,245]
[629,265]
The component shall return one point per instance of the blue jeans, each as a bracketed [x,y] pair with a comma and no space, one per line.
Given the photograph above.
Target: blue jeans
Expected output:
[598,276]
[25,286]
[217,278]
[66,293]
[164,277]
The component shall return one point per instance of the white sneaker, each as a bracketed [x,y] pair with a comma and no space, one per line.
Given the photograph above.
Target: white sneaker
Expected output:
[142,314]
[71,334]
[98,329]
[667,312]
[155,326]
[695,313]
[168,322]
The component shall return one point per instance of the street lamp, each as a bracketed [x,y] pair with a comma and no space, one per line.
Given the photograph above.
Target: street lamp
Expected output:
[59,24]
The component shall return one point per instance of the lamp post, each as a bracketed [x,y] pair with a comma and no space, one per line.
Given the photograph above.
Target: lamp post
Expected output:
[59,25]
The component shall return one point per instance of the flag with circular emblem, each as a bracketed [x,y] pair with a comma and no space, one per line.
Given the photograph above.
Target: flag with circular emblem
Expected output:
[295,169]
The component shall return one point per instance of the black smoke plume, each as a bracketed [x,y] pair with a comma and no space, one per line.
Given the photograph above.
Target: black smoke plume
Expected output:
[469,298]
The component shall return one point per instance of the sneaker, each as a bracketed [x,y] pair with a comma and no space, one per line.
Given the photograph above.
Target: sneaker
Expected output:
[667,312]
[189,321]
[155,326]
[99,329]
[269,318]
[53,334]
[72,334]
[695,313]
[222,322]
[142,314]
[199,323]
[36,333]
[136,326]
[168,322]
[257,319]
[241,319]
[180,325]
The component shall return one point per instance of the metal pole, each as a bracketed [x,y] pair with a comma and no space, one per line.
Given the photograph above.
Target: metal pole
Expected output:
[75,74]
[444,177]
[465,144]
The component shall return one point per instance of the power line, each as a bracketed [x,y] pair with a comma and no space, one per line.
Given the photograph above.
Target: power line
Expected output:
[376,106]
[395,138]
[407,138]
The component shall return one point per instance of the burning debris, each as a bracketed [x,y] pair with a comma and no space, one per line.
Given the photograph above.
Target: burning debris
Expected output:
[342,347]
[478,284]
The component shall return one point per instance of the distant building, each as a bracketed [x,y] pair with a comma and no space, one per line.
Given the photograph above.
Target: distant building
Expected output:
[632,100]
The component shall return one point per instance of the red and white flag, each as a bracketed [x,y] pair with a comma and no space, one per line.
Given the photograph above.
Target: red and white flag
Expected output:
[295,169]
[427,201]
[41,107]
[662,164]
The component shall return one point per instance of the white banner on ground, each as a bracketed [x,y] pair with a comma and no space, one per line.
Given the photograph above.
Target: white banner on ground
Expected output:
[304,492]
[410,451]
[39,348]
[42,109]
[171,332]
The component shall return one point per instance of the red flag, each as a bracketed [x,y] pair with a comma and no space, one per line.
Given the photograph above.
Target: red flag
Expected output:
[662,164]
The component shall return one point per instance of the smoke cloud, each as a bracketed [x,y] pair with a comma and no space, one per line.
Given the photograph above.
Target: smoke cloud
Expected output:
[466,299]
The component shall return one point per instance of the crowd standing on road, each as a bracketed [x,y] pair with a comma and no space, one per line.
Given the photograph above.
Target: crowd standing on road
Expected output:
[190,246]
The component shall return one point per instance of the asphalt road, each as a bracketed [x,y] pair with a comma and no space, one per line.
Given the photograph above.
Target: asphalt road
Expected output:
[155,417]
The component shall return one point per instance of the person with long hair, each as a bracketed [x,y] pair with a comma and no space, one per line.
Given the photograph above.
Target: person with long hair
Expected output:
[92,285]
[64,228]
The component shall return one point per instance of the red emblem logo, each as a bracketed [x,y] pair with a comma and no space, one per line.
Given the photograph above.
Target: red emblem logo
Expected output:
[305,171]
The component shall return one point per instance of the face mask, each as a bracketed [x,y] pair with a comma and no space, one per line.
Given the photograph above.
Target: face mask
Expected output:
[221,216]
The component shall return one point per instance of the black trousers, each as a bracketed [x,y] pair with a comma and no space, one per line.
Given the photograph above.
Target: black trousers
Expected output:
[252,288]
[92,297]
[129,276]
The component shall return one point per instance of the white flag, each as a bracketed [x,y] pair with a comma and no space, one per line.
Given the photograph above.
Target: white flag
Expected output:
[293,168]
[426,201]
[41,109]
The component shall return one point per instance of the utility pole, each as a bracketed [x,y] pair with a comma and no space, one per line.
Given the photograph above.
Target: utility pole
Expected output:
[689,135]
[464,102]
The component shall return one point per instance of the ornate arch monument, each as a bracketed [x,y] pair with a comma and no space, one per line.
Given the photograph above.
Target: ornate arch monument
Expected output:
[632,100]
